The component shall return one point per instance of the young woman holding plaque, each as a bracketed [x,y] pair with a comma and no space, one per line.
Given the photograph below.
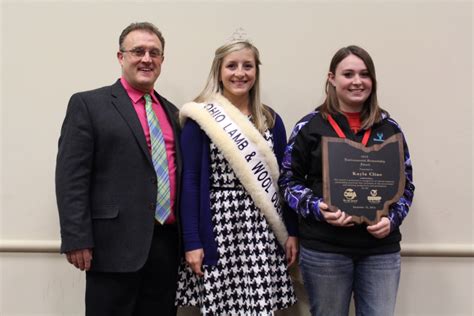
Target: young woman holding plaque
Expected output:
[234,236]
[337,256]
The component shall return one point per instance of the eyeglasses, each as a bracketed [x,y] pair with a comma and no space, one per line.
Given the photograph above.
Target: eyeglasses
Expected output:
[141,52]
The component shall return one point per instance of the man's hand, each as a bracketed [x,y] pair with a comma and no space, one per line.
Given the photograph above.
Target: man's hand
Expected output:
[80,258]
[194,260]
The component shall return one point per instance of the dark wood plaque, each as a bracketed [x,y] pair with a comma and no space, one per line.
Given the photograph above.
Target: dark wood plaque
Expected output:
[363,181]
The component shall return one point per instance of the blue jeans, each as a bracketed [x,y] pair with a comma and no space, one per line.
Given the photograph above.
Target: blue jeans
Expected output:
[330,279]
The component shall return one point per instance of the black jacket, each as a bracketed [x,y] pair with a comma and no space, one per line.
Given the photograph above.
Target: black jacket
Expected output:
[105,180]
[301,186]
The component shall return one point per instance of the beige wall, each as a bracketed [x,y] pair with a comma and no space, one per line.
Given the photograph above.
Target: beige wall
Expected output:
[423,56]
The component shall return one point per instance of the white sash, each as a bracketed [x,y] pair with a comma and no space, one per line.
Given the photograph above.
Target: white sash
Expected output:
[247,152]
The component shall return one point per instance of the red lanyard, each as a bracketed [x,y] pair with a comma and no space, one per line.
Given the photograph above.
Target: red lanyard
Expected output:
[341,134]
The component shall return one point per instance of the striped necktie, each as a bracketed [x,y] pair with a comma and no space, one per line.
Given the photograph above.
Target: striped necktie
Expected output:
[160,162]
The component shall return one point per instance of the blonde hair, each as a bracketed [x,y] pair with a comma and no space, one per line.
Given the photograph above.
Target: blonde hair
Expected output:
[262,116]
[371,112]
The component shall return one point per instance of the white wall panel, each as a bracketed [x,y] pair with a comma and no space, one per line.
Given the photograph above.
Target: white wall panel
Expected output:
[423,56]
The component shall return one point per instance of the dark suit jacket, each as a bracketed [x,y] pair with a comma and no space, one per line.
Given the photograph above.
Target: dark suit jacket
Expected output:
[105,180]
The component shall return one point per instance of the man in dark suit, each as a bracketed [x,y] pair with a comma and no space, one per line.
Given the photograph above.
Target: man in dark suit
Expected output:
[107,185]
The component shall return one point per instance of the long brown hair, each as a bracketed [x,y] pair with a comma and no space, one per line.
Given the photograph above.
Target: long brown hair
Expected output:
[371,111]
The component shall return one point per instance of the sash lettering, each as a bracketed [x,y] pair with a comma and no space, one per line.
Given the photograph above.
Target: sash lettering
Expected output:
[254,162]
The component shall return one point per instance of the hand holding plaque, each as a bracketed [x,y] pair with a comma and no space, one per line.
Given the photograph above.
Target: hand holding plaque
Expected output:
[363,181]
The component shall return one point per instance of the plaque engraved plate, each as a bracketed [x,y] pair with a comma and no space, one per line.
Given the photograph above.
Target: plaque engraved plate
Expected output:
[363,181]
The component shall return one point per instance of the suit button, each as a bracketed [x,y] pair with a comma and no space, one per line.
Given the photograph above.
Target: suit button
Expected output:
[154,181]
[152,206]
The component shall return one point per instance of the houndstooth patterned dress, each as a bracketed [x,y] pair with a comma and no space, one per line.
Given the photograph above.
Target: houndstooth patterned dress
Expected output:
[250,277]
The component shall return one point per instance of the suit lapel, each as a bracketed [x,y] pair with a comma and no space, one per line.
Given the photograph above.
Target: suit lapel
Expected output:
[121,101]
[172,115]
